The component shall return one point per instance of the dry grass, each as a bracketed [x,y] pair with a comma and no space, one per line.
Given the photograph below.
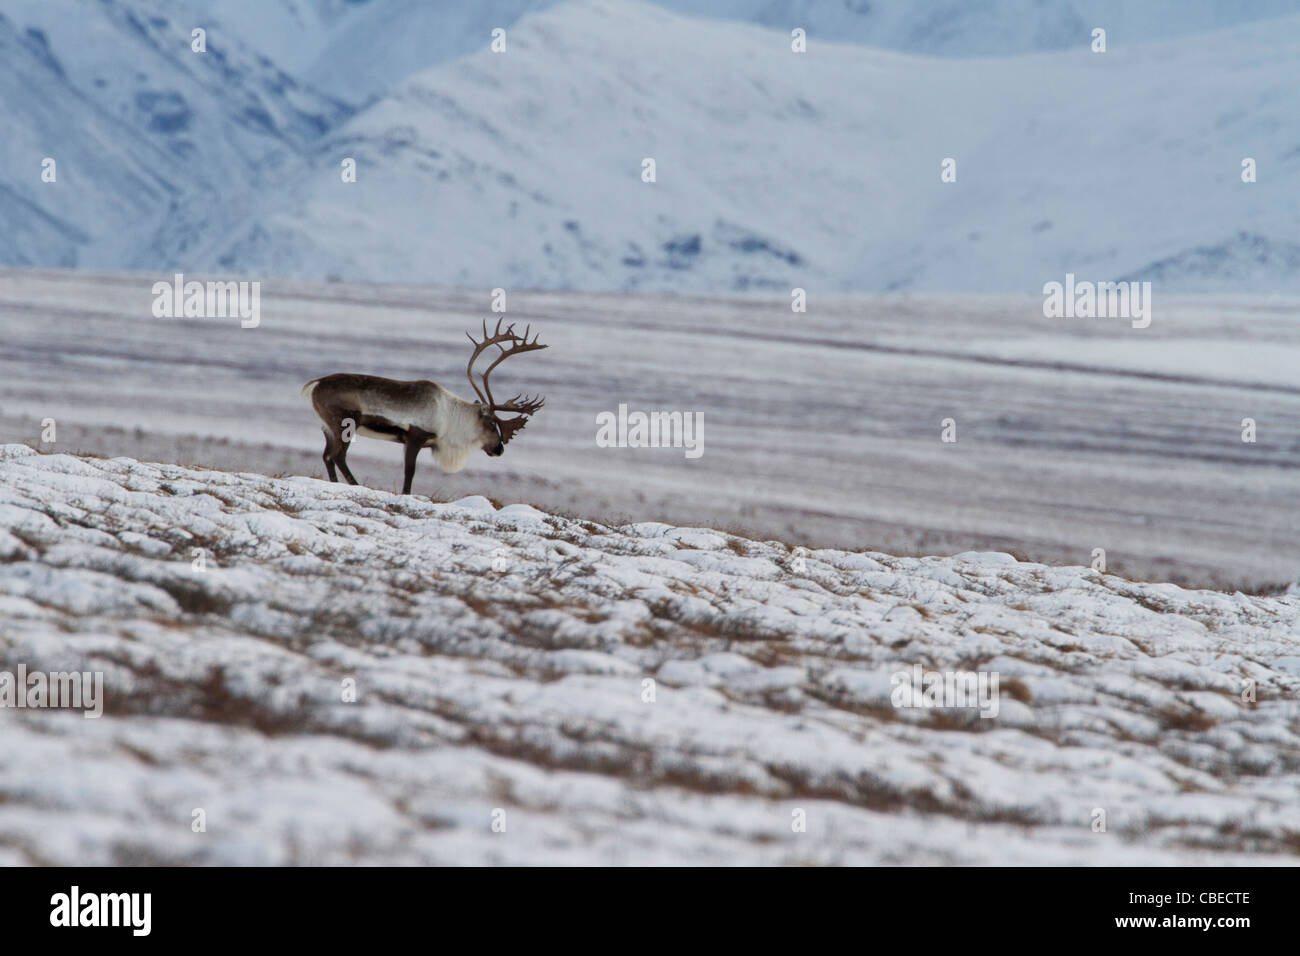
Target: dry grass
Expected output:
[1015,689]
[1185,718]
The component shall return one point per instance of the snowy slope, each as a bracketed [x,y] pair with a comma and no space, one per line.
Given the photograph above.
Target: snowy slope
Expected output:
[499,657]
[154,143]
[988,27]
[290,33]
[776,170]
[385,41]
[106,174]
[382,42]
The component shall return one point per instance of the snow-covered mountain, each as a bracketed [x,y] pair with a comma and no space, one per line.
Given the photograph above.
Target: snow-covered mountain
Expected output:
[500,660]
[774,169]
[152,143]
[778,170]
[377,44]
[987,27]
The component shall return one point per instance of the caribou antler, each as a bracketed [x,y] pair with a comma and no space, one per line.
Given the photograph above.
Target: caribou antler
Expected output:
[519,404]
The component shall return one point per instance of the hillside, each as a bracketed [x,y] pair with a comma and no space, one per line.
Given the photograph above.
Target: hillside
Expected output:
[989,27]
[499,656]
[1072,435]
[358,51]
[154,144]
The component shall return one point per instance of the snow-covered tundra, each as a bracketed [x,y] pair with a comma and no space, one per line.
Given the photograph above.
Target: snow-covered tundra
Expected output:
[300,672]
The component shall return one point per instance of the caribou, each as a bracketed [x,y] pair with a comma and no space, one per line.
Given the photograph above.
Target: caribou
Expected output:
[422,414]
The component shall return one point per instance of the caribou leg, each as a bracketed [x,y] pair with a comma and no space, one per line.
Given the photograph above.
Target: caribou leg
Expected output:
[415,440]
[328,457]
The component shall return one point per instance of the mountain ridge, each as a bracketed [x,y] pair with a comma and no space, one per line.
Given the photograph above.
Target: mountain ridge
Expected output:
[776,170]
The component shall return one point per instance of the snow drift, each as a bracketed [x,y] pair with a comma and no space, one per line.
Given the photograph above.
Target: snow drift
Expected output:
[500,659]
